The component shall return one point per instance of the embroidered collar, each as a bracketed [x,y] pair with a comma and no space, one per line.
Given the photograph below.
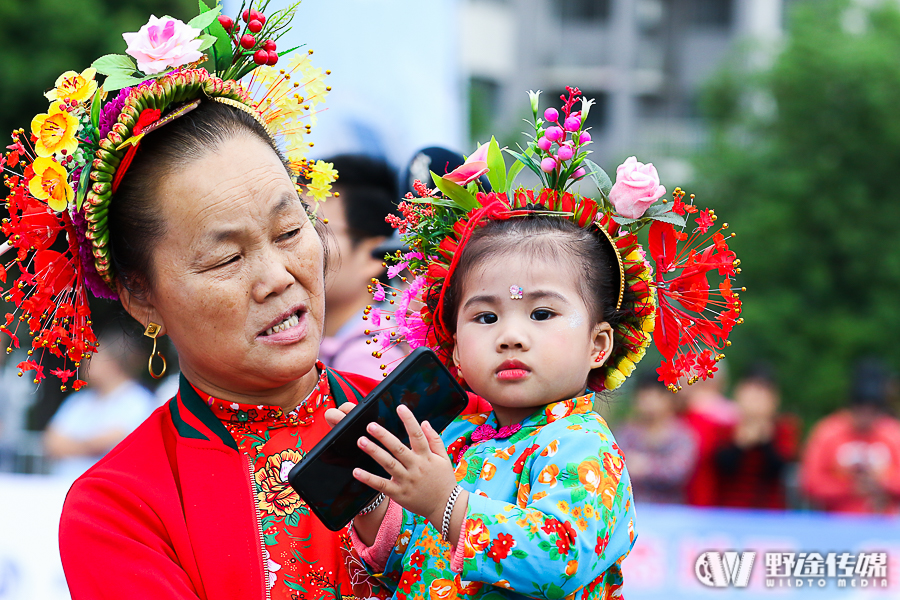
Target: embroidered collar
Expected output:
[272,416]
[544,416]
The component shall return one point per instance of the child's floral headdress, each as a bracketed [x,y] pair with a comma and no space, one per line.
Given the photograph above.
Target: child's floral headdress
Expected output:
[63,174]
[672,297]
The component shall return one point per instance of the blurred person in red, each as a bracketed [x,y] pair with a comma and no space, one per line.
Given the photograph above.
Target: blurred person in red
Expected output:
[751,458]
[660,449]
[709,414]
[852,459]
[367,192]
[91,422]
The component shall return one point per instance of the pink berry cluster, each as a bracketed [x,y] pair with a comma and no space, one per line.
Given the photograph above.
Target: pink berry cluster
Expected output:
[561,141]
[266,51]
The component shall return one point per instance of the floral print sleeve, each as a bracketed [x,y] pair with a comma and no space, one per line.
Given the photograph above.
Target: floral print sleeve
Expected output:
[550,514]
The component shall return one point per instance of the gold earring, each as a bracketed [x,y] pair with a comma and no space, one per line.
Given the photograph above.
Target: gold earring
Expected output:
[152,331]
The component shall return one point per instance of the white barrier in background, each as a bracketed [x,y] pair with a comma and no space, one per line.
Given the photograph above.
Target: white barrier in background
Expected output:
[30,568]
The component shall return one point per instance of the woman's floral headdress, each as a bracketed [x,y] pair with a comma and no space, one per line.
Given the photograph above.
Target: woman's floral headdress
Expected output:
[672,297]
[63,175]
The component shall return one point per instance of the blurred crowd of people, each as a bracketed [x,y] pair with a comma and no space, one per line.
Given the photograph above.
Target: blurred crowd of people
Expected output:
[697,447]
[700,448]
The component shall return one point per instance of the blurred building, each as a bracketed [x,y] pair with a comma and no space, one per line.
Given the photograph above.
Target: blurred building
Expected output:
[644,61]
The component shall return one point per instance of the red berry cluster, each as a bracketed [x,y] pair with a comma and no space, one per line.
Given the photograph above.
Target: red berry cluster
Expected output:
[266,52]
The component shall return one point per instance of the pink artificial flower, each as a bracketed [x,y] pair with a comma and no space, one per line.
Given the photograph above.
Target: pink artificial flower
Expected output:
[163,43]
[395,270]
[379,294]
[474,167]
[415,331]
[375,316]
[412,255]
[637,187]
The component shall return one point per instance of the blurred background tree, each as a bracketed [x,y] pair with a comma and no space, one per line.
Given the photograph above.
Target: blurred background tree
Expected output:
[804,159]
[40,39]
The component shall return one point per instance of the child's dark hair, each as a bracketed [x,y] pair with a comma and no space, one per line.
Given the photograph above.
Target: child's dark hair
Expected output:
[523,238]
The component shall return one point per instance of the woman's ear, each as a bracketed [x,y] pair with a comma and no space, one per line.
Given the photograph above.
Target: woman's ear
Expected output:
[141,308]
[602,344]
[455,352]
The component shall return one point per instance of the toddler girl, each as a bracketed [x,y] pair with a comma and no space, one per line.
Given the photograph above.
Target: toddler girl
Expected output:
[537,300]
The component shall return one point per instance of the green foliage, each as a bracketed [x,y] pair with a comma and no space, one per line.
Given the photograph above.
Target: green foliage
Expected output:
[804,162]
[40,40]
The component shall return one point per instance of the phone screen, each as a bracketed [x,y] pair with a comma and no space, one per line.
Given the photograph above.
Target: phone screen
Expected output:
[324,479]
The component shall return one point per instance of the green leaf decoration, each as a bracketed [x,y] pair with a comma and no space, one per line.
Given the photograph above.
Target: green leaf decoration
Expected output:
[205,18]
[114,64]
[624,220]
[659,209]
[673,218]
[291,50]
[117,82]
[95,114]
[83,184]
[222,50]
[527,160]
[496,166]
[457,193]
[206,41]
[599,177]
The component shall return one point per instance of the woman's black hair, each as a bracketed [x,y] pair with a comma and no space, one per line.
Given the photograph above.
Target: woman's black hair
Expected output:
[537,235]
[135,222]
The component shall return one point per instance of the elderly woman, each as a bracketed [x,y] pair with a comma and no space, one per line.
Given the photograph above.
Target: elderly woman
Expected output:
[175,199]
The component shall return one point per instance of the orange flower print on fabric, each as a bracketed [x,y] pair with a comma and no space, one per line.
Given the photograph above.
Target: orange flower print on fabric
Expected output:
[571,567]
[275,495]
[551,449]
[548,475]
[590,475]
[477,537]
[559,410]
[442,589]
[522,495]
[505,453]
[488,471]
[55,131]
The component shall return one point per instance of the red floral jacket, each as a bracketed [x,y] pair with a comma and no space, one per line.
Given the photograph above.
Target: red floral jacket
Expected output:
[170,513]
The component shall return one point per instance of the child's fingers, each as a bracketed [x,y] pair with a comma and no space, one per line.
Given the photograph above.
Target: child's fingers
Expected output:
[435,444]
[375,482]
[333,416]
[381,456]
[417,440]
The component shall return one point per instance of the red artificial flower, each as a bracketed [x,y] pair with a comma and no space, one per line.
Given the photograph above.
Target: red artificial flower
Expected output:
[63,374]
[704,221]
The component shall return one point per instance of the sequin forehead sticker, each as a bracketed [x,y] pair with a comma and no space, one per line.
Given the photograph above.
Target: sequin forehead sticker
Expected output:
[515,292]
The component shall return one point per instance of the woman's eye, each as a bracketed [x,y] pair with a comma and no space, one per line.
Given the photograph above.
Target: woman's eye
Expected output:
[231,260]
[290,234]
[486,318]
[541,314]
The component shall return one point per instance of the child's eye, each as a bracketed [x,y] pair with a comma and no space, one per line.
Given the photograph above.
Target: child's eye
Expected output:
[486,318]
[541,314]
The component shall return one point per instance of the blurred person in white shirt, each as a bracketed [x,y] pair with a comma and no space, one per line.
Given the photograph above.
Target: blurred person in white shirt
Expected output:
[91,422]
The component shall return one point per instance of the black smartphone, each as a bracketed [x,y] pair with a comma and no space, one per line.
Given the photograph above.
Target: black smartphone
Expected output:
[324,478]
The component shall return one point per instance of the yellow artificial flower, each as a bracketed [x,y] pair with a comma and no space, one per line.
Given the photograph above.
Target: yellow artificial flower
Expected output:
[614,379]
[74,86]
[323,173]
[50,183]
[625,366]
[55,131]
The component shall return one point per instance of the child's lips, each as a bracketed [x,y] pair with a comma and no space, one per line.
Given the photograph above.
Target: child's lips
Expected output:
[512,370]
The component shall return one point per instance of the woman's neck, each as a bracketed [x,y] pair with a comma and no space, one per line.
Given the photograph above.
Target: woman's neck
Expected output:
[286,397]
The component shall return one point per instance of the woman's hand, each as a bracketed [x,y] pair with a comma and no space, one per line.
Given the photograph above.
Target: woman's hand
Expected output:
[422,476]
[333,416]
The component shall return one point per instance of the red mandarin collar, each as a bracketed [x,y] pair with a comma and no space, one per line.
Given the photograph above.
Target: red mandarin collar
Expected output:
[302,414]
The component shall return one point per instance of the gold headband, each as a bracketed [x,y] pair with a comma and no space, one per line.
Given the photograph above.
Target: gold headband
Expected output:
[247,109]
[621,265]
